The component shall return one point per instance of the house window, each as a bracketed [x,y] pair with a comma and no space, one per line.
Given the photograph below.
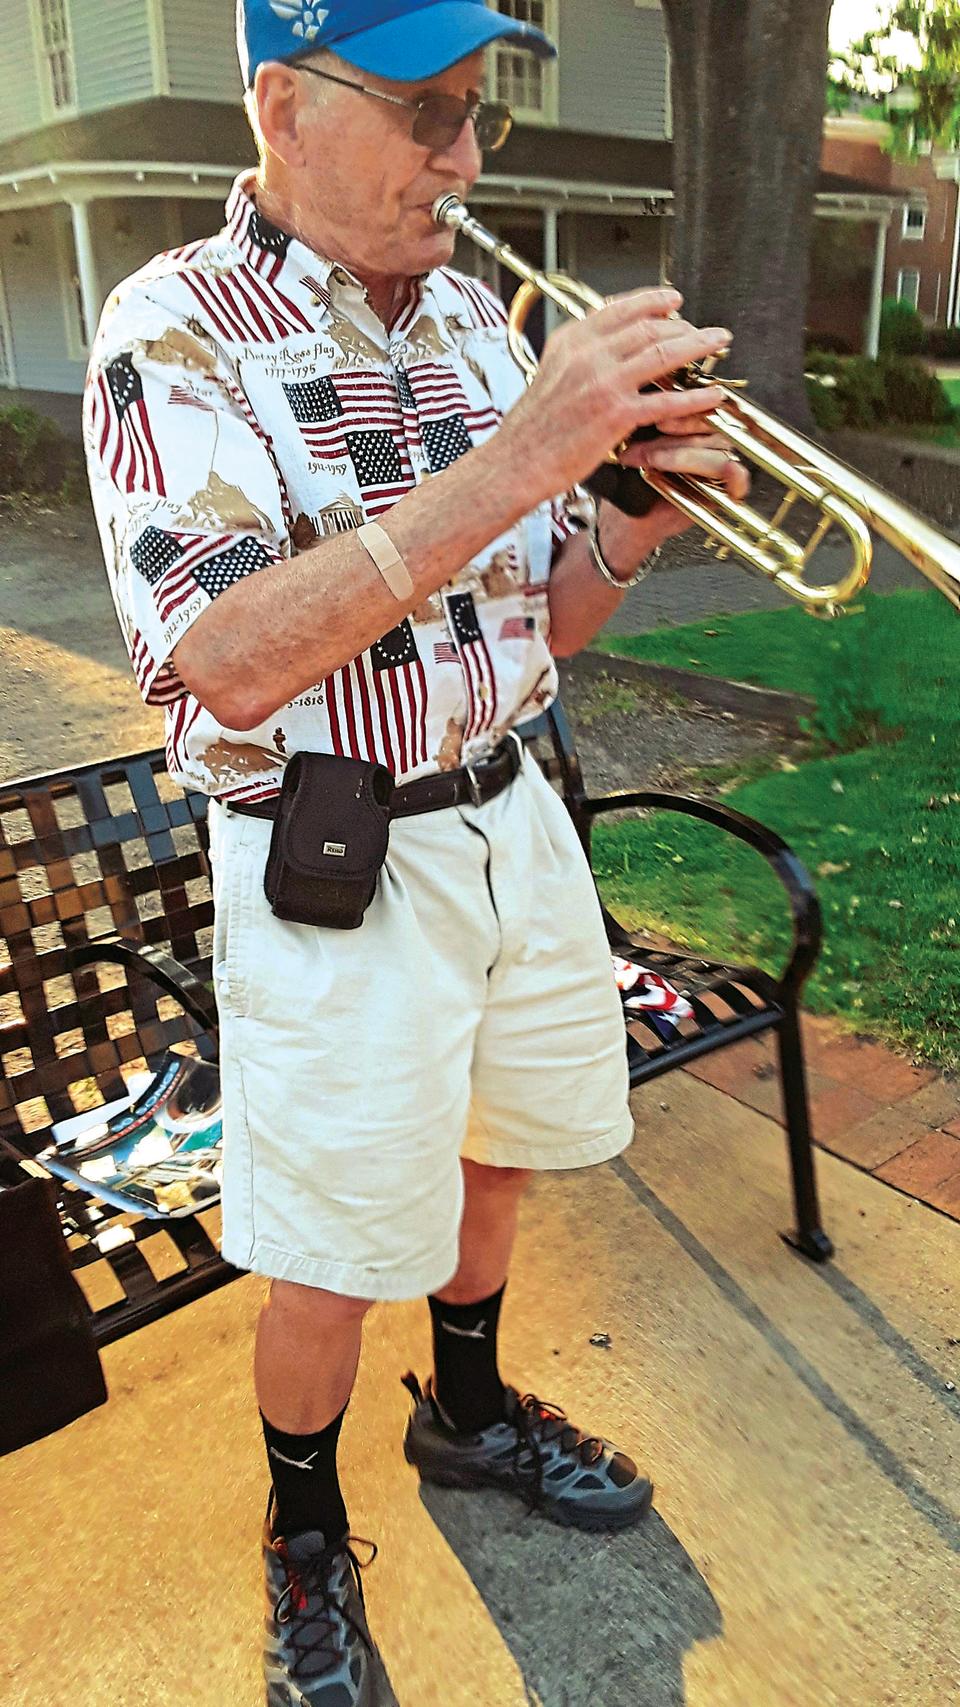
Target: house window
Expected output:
[908,285]
[525,82]
[57,52]
[914,222]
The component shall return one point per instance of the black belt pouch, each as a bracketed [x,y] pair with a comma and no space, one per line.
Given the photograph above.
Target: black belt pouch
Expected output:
[329,840]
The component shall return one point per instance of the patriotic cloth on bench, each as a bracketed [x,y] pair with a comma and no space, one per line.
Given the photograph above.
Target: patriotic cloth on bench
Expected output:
[643,991]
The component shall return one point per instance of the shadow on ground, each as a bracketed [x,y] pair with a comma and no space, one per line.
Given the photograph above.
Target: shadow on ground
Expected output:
[591,1620]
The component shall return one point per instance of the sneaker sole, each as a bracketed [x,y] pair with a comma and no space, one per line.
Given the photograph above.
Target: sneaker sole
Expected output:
[568,1516]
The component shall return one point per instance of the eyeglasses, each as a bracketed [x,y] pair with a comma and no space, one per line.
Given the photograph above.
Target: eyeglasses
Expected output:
[439,119]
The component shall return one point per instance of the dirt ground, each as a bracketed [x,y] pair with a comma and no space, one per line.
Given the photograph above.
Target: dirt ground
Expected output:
[67,693]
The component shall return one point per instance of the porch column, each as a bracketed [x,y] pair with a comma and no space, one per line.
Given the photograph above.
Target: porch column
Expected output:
[90,294]
[551,264]
[872,335]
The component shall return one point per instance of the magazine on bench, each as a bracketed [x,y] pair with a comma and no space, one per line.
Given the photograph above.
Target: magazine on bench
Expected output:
[155,1152]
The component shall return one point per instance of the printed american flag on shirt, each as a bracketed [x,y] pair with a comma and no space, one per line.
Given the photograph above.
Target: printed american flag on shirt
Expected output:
[174,565]
[356,417]
[120,417]
[476,660]
[377,704]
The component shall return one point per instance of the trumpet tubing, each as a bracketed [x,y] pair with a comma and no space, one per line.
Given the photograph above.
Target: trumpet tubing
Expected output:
[843,497]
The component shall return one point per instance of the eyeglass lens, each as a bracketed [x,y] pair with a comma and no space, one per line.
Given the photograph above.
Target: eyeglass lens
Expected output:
[441,118]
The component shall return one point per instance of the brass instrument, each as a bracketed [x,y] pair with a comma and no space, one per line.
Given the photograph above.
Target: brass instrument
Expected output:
[843,497]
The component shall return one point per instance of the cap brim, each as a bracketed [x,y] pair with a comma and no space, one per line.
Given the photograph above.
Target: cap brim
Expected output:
[426,42]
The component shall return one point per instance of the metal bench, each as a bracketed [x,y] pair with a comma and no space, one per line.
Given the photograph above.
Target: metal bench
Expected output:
[105,942]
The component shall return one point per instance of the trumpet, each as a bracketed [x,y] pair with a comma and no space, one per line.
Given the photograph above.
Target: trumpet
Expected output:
[842,497]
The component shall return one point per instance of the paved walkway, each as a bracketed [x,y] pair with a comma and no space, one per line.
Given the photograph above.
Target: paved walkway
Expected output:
[689,590]
[872,1107]
[801,1424]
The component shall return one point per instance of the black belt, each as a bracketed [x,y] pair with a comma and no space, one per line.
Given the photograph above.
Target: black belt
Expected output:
[473,785]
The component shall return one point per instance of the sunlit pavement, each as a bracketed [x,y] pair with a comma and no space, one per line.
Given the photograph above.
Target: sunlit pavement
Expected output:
[798,1422]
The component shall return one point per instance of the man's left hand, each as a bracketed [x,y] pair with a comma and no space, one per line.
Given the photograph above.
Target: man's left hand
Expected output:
[686,449]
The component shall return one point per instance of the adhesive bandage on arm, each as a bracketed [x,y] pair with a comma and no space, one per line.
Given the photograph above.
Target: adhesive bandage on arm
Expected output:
[377,544]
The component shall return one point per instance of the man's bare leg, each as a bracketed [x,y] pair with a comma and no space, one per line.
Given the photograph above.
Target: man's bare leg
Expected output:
[307,1352]
[466,1313]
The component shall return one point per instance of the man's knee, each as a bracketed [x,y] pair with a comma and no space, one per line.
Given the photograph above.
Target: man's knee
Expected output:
[510,1181]
[312,1306]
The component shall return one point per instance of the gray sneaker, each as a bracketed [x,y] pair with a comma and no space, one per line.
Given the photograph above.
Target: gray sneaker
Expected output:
[317,1649]
[571,1477]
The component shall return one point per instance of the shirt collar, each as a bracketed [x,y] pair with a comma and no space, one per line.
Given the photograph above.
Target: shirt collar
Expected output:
[257,238]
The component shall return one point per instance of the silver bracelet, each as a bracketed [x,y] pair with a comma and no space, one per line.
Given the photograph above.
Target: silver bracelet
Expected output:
[640,574]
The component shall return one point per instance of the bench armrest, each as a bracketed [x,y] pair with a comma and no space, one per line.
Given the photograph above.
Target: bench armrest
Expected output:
[159,968]
[787,868]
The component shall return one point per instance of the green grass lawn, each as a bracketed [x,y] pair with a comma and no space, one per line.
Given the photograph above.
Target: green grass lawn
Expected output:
[875,815]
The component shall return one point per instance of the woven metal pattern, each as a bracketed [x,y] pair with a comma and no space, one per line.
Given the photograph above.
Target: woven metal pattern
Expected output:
[103,849]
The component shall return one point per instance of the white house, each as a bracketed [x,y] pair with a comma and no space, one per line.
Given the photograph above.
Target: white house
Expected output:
[121,130]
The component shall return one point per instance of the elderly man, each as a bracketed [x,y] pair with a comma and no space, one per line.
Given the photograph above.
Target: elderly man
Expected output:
[330,514]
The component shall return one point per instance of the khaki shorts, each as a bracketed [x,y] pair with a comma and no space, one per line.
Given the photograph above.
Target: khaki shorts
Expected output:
[473,1013]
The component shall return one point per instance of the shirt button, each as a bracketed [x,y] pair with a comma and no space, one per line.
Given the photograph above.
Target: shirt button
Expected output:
[339,277]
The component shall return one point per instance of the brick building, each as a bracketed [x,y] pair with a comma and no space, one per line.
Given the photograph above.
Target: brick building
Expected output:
[921,244]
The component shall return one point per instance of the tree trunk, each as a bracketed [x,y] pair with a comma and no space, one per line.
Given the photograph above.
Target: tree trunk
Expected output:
[749,82]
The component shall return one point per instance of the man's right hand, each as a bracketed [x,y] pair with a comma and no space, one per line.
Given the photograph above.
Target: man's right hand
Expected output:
[590,393]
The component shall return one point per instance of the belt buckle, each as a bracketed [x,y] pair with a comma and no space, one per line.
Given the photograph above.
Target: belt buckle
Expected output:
[473,782]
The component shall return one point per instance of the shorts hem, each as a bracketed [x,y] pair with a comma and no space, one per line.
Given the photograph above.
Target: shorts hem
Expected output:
[543,1158]
[345,1279]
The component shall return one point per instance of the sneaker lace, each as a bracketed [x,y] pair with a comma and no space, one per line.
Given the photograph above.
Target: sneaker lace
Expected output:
[308,1607]
[538,1424]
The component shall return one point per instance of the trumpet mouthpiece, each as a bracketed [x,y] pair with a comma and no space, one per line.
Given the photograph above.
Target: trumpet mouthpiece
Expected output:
[447,209]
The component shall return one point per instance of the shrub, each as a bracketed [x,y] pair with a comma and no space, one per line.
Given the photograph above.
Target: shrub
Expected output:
[861,394]
[35,456]
[902,332]
[944,342]
[824,406]
[913,393]
[822,361]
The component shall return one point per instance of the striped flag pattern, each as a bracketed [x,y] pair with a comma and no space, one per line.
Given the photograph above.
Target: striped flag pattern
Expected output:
[357,416]
[122,425]
[174,565]
[477,664]
[377,704]
[244,307]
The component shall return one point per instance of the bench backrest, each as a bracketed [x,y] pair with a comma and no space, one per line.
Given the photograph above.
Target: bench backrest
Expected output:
[96,850]
[86,853]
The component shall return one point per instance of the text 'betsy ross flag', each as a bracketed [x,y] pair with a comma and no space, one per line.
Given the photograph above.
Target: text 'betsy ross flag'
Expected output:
[377,704]
[122,426]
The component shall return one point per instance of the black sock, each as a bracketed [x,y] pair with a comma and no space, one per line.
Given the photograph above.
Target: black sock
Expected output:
[466,1381]
[305,1481]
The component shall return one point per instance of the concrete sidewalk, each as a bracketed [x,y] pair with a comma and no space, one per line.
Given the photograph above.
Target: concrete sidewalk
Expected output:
[800,1422]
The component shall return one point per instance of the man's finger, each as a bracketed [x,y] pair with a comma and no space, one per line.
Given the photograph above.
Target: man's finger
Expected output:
[714,465]
[654,303]
[656,407]
[665,355]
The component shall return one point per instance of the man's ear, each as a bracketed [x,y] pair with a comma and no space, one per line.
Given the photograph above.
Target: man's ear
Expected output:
[277,98]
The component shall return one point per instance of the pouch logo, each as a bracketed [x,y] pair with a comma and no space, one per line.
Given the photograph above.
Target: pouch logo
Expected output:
[337,848]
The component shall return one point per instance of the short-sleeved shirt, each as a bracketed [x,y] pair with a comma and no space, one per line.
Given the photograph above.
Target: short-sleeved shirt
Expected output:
[244,401]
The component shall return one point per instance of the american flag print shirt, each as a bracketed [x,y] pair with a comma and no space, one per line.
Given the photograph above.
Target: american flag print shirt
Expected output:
[243,401]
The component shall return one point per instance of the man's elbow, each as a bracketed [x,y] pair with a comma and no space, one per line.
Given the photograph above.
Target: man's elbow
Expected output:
[227,690]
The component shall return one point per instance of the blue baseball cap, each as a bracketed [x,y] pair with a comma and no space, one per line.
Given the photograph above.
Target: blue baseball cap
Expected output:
[399,39]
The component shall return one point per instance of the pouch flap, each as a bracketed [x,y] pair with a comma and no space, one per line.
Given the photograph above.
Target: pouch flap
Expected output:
[335,814]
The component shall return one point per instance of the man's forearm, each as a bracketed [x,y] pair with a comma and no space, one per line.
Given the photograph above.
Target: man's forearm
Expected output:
[581,601]
[280,631]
